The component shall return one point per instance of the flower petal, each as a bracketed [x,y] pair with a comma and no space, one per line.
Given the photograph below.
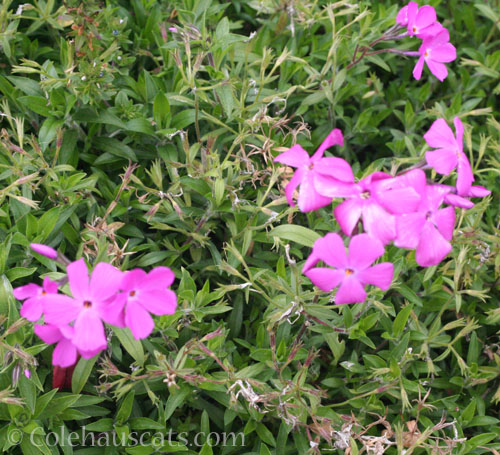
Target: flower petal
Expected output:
[443,53]
[309,198]
[78,276]
[48,333]
[50,286]
[409,228]
[440,135]
[159,302]
[89,331]
[465,176]
[26,291]
[331,250]
[60,309]
[295,156]
[432,248]
[379,275]
[426,16]
[292,186]
[65,354]
[419,66]
[32,309]
[458,201]
[438,69]
[443,160]
[479,191]
[105,281]
[445,222]
[337,168]
[138,320]
[350,291]
[159,278]
[334,138]
[400,200]
[324,278]
[363,251]
[348,213]
[332,188]
[379,223]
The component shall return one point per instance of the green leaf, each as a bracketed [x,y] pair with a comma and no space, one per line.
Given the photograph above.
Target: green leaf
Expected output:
[131,345]
[400,321]
[295,233]
[81,374]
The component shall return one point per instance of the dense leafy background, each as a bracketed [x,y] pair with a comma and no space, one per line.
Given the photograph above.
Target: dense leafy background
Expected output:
[124,142]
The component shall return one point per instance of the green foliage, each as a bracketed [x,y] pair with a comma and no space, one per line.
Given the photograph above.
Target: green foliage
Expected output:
[125,142]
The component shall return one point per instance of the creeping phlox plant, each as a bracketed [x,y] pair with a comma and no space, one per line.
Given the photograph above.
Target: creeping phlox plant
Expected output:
[409,210]
[76,324]
[422,23]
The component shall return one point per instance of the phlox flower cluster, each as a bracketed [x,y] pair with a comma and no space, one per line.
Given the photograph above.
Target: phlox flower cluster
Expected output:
[408,210]
[76,323]
[435,49]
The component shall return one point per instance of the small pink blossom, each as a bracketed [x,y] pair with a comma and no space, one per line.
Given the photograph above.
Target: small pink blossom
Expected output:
[422,22]
[316,174]
[90,305]
[145,293]
[435,51]
[352,272]
[449,153]
[44,250]
[33,294]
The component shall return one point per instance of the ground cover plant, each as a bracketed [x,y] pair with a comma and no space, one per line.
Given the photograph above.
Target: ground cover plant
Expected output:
[305,195]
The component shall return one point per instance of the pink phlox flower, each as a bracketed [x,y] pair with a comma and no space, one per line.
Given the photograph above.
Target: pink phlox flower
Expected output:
[317,175]
[352,272]
[145,293]
[377,199]
[449,153]
[435,51]
[65,353]
[44,250]
[90,306]
[420,22]
[430,229]
[33,294]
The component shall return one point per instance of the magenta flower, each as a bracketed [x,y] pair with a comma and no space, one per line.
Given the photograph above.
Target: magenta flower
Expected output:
[145,293]
[316,173]
[65,353]
[90,306]
[449,154]
[421,22]
[376,199]
[430,229]
[352,272]
[435,51]
[44,250]
[33,294]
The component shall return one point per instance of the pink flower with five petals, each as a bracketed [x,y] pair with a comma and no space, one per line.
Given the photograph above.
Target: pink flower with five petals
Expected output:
[90,306]
[351,272]
[145,293]
[316,173]
[33,294]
